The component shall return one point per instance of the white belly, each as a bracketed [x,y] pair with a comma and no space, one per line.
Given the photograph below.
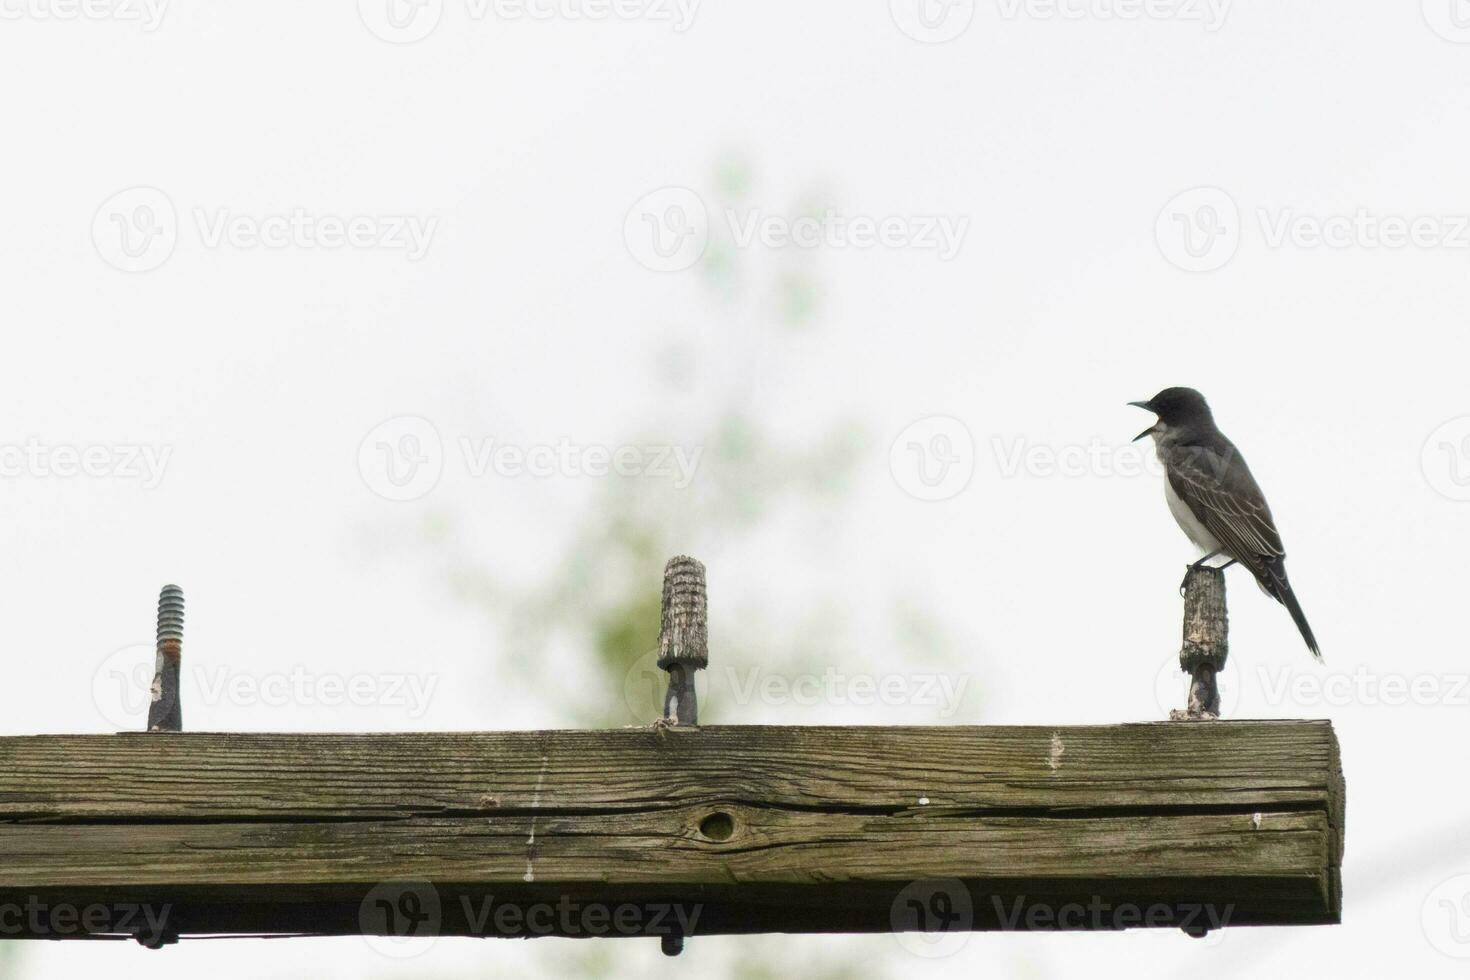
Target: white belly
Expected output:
[1187,522]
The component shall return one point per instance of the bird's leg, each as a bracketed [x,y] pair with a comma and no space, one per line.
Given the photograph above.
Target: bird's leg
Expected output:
[1201,564]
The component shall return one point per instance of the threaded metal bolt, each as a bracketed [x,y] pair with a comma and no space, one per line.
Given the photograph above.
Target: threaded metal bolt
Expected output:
[171,615]
[164,712]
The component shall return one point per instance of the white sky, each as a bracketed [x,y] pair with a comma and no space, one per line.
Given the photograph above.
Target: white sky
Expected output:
[529,320]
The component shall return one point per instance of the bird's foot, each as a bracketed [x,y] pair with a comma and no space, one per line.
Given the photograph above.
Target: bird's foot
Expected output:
[1201,564]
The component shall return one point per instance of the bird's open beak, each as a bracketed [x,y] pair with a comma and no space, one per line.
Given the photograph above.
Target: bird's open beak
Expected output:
[1151,429]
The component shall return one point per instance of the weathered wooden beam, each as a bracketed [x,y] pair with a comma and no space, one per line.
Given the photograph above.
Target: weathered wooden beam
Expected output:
[749,829]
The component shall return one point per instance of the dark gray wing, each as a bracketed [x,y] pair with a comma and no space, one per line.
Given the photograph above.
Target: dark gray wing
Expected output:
[1217,486]
[1221,492]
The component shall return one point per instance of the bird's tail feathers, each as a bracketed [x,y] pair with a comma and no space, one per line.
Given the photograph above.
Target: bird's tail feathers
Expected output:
[1274,583]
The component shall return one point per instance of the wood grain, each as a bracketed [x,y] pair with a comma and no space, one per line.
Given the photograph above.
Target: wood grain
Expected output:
[759,828]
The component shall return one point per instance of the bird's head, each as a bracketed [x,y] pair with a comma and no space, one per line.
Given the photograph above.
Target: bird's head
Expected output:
[1177,408]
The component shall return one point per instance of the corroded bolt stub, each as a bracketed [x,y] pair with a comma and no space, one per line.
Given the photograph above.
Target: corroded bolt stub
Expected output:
[683,635]
[1206,641]
[1206,625]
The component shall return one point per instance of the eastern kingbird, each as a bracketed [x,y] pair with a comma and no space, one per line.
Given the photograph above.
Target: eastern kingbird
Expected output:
[1214,498]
